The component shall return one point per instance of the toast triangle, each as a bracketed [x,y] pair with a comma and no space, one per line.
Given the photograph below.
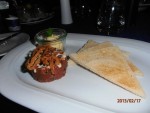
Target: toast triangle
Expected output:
[91,43]
[109,63]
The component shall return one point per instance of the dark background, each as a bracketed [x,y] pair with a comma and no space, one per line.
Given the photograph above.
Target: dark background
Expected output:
[138,27]
[137,19]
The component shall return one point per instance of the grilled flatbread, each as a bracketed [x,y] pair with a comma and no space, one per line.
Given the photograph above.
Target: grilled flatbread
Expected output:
[108,61]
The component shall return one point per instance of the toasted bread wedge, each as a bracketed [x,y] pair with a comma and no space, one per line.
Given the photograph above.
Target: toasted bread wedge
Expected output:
[135,69]
[91,43]
[108,62]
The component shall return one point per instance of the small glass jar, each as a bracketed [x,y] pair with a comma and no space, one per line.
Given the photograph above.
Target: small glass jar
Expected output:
[56,37]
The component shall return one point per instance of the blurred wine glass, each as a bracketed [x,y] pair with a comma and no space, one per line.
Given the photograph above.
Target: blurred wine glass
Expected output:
[82,9]
[23,14]
[111,19]
[32,11]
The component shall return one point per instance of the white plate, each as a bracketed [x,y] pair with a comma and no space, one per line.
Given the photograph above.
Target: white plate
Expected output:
[79,91]
[12,42]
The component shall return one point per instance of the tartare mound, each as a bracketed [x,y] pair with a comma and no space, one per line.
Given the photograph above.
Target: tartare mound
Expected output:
[46,63]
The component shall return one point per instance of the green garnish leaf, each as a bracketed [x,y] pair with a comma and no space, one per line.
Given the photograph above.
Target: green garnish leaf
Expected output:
[49,32]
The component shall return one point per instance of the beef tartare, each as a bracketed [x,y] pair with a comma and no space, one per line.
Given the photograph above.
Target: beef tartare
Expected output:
[47,63]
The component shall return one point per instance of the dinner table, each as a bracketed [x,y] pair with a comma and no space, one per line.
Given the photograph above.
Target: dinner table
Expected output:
[139,31]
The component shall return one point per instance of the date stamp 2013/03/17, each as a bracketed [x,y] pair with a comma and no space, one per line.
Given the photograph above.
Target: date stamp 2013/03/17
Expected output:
[128,100]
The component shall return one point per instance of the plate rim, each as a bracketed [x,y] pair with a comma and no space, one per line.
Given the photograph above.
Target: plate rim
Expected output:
[50,16]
